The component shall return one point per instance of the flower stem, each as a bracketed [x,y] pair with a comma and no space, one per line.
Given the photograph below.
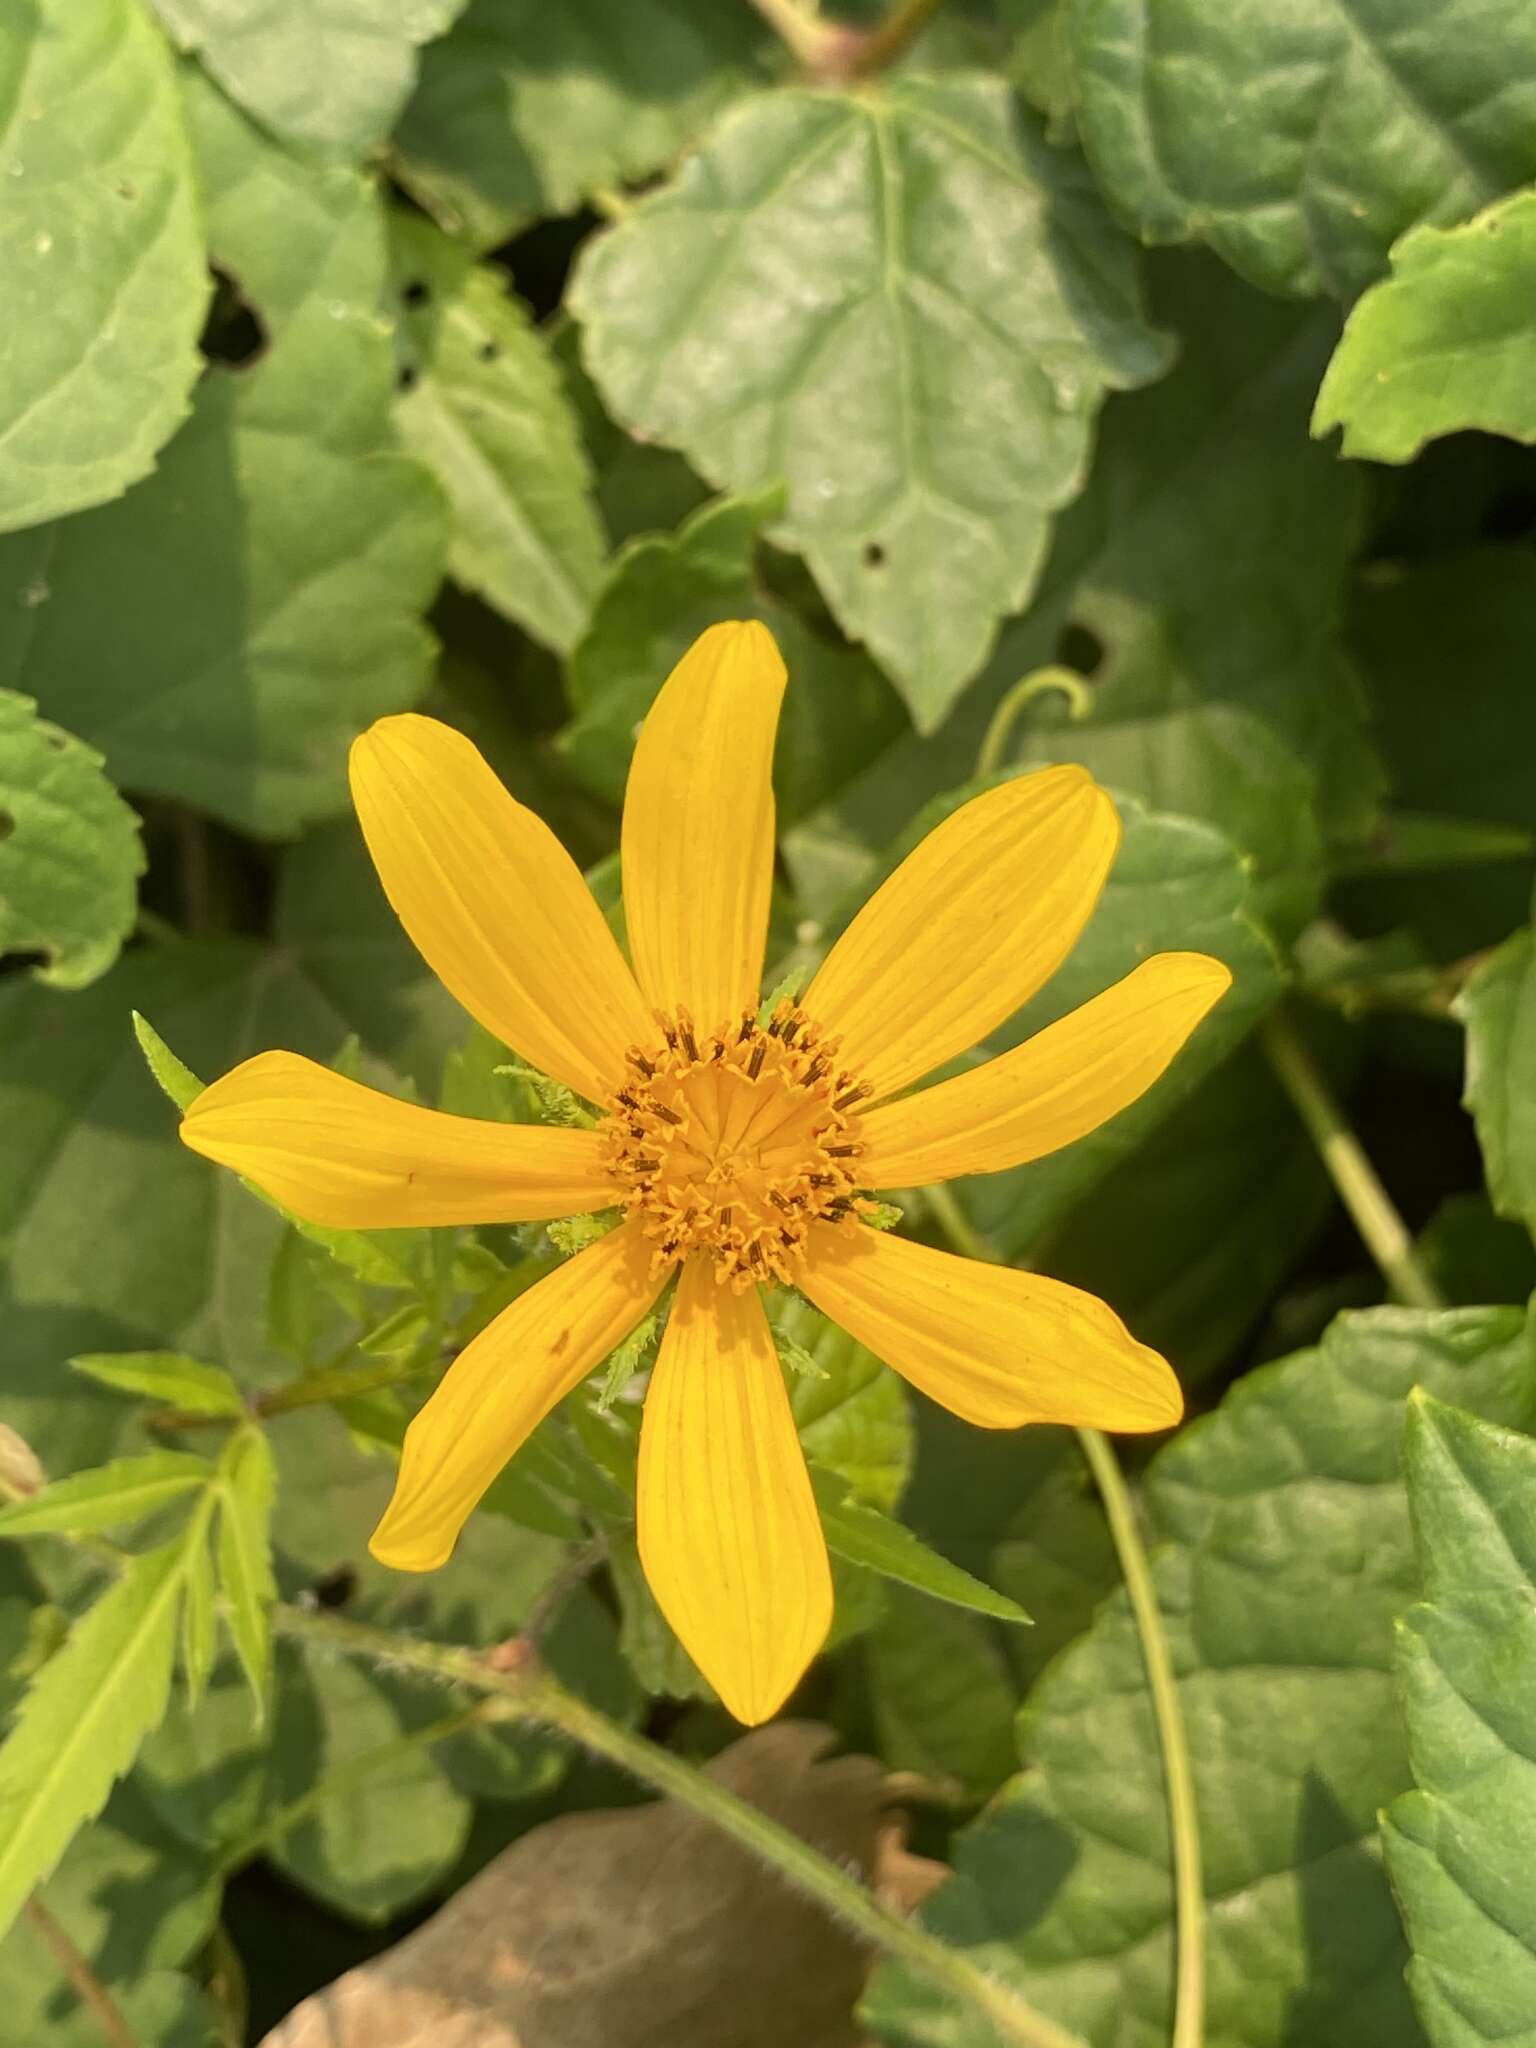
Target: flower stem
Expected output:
[994,744]
[806,38]
[1183,1816]
[528,1693]
[87,1986]
[1371,1208]
[895,35]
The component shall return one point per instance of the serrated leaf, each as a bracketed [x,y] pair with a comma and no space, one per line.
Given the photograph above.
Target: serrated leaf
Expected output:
[185,1384]
[525,110]
[1444,343]
[173,1075]
[126,1490]
[1285,1558]
[328,74]
[1458,1847]
[661,592]
[924,383]
[199,1624]
[248,1484]
[1498,1008]
[223,632]
[486,411]
[1300,142]
[102,254]
[70,855]
[863,1536]
[84,1717]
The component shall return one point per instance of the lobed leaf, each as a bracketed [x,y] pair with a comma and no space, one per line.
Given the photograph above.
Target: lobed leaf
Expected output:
[1498,1007]
[126,1490]
[185,1384]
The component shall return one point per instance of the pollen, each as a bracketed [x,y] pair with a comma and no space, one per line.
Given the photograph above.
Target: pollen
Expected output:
[732,1143]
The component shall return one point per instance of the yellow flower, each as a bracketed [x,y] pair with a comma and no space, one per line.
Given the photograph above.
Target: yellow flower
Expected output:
[739,1152]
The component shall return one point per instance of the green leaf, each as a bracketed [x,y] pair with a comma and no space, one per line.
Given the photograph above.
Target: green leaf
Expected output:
[124,1491]
[330,76]
[865,1537]
[1498,1007]
[1178,587]
[853,1414]
[942,1696]
[1174,885]
[84,1717]
[1285,1559]
[1444,343]
[247,1484]
[70,855]
[102,353]
[487,413]
[223,632]
[174,1076]
[926,387]
[185,1384]
[1474,1256]
[1299,143]
[525,110]
[660,594]
[1458,1847]
[375,1823]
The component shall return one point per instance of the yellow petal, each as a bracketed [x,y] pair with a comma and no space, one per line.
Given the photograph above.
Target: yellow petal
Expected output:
[698,826]
[502,1385]
[977,916]
[728,1529]
[496,906]
[1054,1088]
[346,1156]
[997,1346]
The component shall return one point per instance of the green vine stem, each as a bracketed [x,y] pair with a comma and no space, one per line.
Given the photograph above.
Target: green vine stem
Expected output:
[994,744]
[1178,1776]
[527,1693]
[1371,1208]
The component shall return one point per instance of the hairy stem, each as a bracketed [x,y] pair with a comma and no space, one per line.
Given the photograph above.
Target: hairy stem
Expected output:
[1371,1208]
[87,1986]
[527,1693]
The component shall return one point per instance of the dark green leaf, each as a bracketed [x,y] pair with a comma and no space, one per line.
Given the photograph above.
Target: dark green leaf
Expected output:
[942,1696]
[1498,1007]
[1458,1846]
[1300,142]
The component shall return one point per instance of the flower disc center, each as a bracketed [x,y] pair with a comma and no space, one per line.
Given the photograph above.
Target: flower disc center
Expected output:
[734,1143]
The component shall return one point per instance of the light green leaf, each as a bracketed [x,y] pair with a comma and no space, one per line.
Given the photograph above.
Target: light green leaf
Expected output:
[525,110]
[853,1414]
[660,594]
[328,74]
[1498,1007]
[1458,1847]
[942,1696]
[865,1537]
[199,1624]
[102,255]
[1281,1645]
[223,632]
[84,1717]
[185,1384]
[1443,344]
[247,1485]
[174,1076]
[927,387]
[70,855]
[1300,142]
[108,1496]
[487,413]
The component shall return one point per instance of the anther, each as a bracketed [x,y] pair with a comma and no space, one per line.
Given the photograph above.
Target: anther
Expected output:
[748,1026]
[638,1059]
[646,1165]
[755,1064]
[670,1115]
[851,1095]
[842,1151]
[689,1045]
[725,1216]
